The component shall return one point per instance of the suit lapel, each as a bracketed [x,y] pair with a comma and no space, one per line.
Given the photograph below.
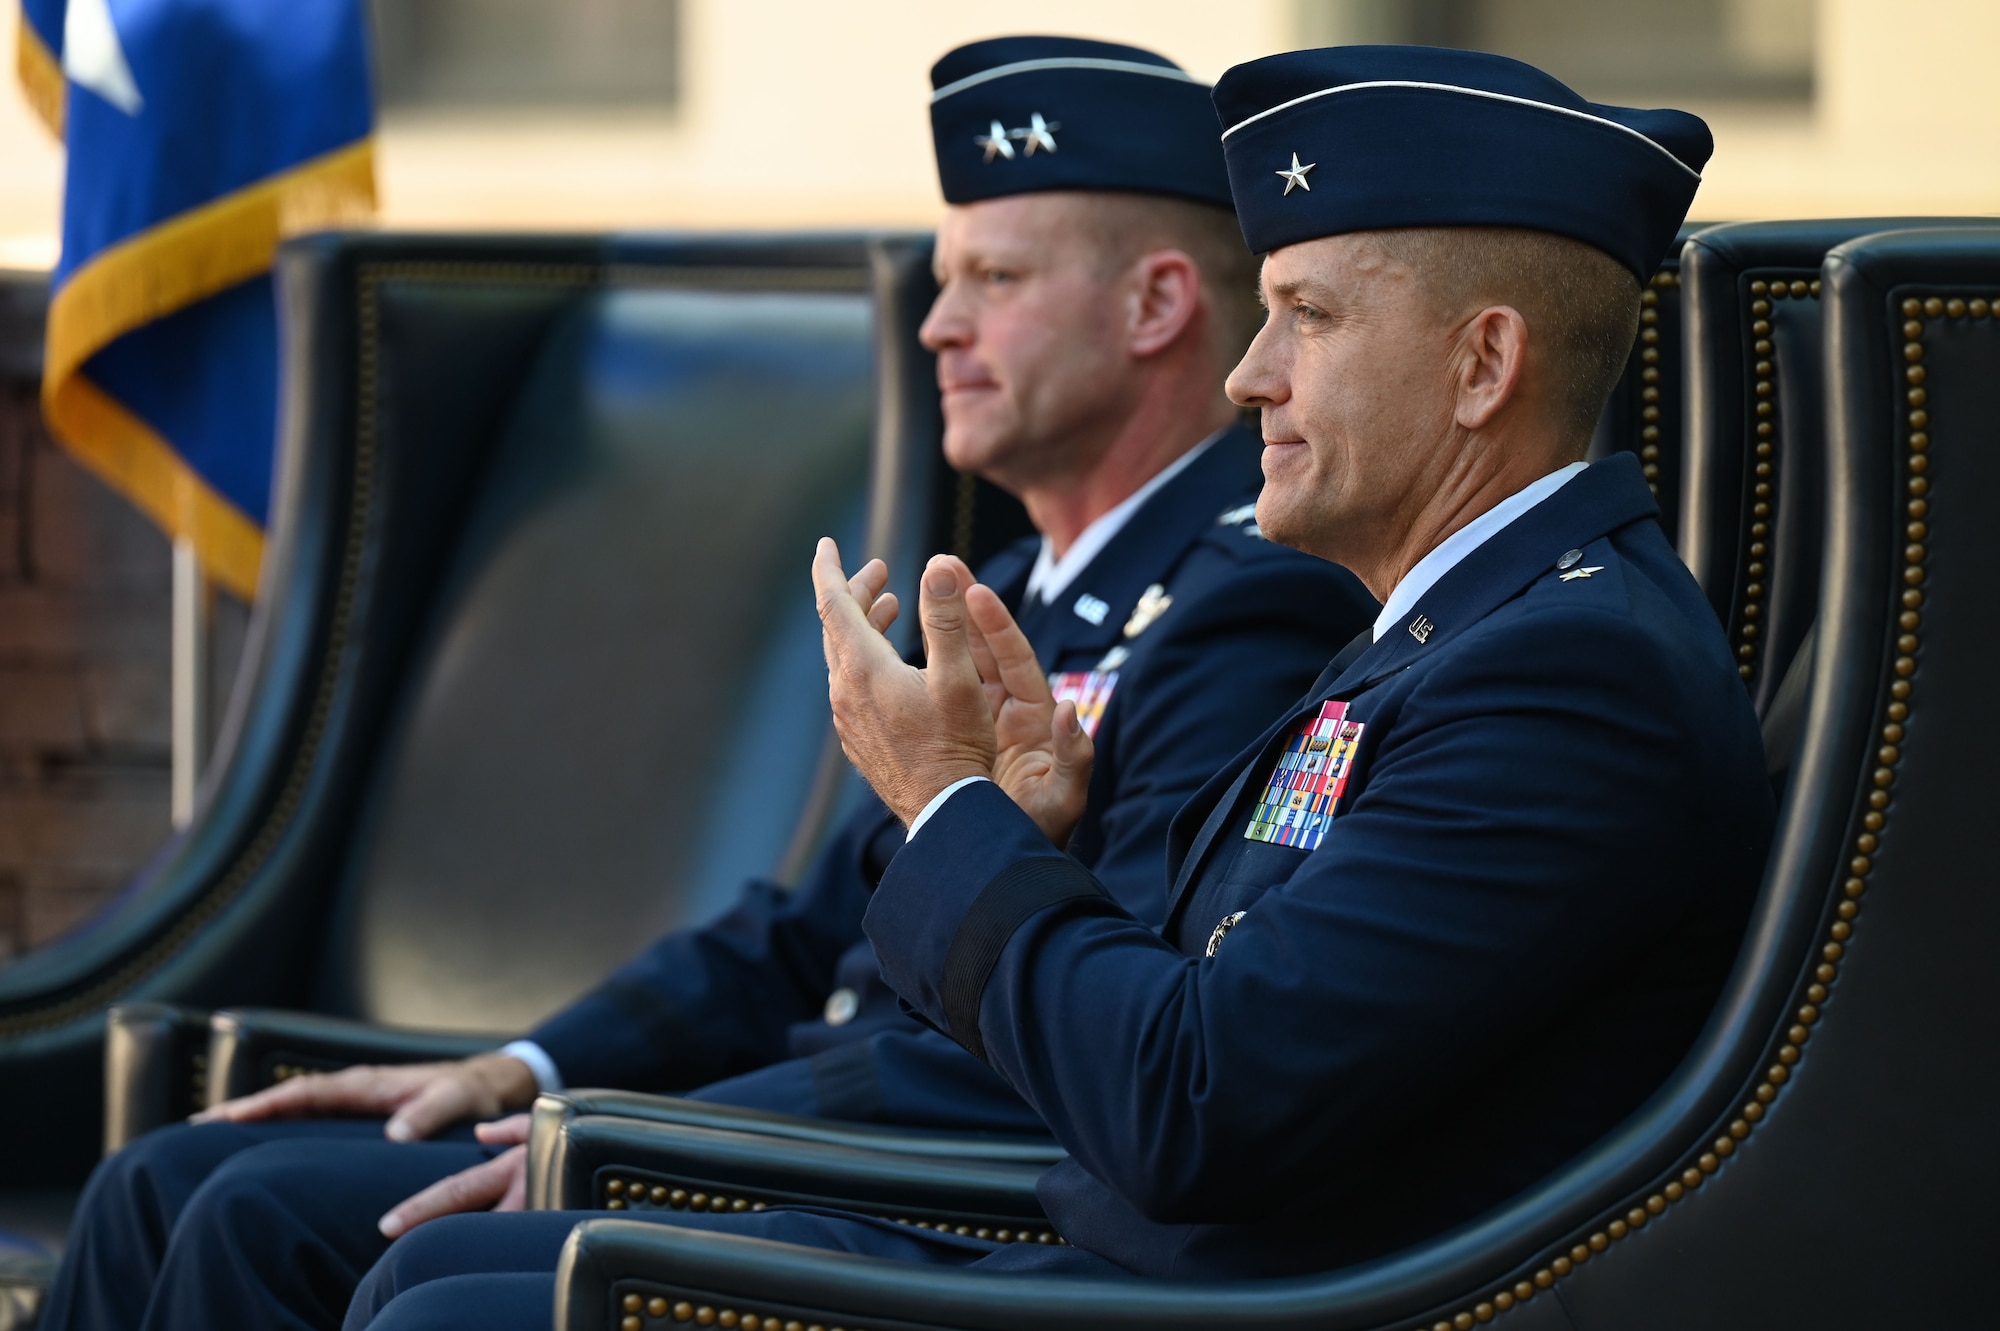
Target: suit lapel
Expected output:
[1604,497]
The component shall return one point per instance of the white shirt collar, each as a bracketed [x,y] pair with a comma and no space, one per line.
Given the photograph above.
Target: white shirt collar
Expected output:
[1464,541]
[1051,576]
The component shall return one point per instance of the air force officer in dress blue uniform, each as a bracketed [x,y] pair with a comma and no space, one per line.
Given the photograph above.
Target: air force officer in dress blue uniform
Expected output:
[1095,291]
[1459,910]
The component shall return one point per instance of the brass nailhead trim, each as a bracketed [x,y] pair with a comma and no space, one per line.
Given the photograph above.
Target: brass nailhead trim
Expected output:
[1649,375]
[628,1194]
[1753,568]
[639,1309]
[1874,817]
[360,512]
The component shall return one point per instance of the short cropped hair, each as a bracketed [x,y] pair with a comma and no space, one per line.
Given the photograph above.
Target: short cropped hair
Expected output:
[1579,301]
[1125,226]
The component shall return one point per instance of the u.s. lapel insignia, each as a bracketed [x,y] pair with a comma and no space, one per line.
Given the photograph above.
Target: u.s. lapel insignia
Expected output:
[1576,573]
[1222,931]
[1090,690]
[1091,609]
[1153,603]
[1304,790]
[1421,629]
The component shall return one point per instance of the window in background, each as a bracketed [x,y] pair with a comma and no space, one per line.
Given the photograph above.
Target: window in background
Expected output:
[1619,51]
[537,53]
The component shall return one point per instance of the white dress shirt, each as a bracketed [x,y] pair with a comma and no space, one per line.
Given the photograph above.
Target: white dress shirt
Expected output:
[1455,547]
[1051,577]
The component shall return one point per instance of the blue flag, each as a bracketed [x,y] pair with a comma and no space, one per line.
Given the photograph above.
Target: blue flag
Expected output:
[199,133]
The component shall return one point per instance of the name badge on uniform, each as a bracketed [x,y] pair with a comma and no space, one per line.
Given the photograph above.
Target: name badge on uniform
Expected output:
[1304,789]
[1090,690]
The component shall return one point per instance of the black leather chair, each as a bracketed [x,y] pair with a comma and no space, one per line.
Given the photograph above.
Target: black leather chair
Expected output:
[1824,1156]
[1755,438]
[534,612]
[1644,413]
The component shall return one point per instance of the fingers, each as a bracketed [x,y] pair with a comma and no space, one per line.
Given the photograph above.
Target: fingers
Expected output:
[474,1189]
[948,659]
[509,1131]
[357,1090]
[1013,657]
[883,613]
[1070,746]
[442,1102]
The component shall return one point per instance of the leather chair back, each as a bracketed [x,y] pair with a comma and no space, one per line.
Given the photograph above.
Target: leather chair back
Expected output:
[1644,413]
[1755,438]
[535,674]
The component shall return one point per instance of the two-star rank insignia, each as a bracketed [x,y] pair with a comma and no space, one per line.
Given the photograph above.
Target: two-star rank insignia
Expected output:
[1296,177]
[1576,573]
[1038,135]
[1303,791]
[1153,603]
[1090,690]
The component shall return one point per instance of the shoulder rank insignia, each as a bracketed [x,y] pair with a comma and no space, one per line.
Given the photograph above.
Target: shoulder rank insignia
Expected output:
[1090,690]
[1152,604]
[1229,922]
[1303,792]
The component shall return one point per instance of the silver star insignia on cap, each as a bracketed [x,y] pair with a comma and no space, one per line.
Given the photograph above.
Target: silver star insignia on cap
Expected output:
[1039,134]
[1296,177]
[994,141]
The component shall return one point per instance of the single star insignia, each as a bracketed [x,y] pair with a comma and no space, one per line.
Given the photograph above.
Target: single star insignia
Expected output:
[1152,604]
[994,141]
[1296,177]
[1576,573]
[1039,134]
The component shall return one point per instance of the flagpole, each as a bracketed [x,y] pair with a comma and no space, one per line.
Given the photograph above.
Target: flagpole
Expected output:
[191,667]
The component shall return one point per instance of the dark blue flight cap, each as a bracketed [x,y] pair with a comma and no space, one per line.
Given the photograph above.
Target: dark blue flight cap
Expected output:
[1014,115]
[1363,138]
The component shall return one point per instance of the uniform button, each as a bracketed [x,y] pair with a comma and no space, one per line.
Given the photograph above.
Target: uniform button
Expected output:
[841,1005]
[1570,559]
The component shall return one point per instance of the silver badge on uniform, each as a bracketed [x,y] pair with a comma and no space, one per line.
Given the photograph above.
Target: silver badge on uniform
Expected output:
[1153,603]
[1221,930]
[841,1005]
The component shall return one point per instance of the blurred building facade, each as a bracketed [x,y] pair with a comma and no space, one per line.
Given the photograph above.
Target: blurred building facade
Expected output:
[596,114]
[782,113]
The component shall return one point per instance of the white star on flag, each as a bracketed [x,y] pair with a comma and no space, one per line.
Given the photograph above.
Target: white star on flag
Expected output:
[93,58]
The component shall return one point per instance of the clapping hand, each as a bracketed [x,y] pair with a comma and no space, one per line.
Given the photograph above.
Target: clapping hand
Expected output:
[980,706]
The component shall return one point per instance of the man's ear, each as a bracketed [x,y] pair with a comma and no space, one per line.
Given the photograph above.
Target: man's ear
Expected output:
[1166,297]
[1494,352]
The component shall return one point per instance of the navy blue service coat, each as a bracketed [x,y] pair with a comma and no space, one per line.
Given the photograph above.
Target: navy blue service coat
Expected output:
[1245,626]
[1535,882]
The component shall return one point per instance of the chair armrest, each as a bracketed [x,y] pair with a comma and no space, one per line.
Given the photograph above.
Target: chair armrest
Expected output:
[612,1271]
[155,1068]
[553,1111]
[251,1048]
[621,1164]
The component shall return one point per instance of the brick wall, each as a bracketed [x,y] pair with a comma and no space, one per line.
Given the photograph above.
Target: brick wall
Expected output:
[85,609]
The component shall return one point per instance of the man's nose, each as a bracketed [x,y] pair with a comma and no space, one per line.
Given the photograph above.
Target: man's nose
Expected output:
[1255,381]
[946,324]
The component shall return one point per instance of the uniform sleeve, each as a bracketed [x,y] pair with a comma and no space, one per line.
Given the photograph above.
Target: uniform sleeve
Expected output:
[708,1003]
[1228,662]
[1484,868]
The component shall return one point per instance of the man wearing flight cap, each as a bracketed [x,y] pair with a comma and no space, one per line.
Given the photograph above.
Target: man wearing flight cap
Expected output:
[1095,291]
[1462,908]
